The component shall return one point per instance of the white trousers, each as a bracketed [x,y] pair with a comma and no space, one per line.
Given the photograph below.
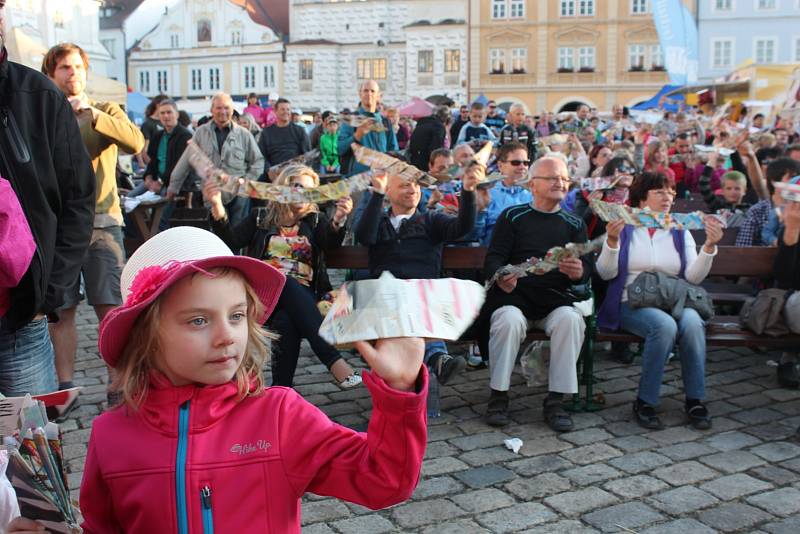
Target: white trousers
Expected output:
[565,326]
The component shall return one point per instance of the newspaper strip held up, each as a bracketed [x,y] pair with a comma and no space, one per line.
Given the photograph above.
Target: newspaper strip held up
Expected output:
[653,219]
[549,262]
[394,167]
[389,307]
[598,184]
[789,191]
[303,159]
[356,121]
[277,193]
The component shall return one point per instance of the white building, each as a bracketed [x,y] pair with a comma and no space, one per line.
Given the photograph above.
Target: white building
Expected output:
[411,47]
[33,26]
[200,47]
[112,35]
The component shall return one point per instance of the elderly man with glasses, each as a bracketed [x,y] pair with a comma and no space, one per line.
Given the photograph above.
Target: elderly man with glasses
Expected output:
[543,301]
[513,163]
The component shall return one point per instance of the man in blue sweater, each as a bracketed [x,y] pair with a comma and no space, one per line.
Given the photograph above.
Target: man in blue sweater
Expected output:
[409,243]
[370,95]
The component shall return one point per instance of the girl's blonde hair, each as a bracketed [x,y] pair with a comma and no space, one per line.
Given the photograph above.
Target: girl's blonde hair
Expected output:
[138,357]
[276,213]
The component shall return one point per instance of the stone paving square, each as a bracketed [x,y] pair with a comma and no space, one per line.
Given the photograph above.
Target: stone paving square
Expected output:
[608,475]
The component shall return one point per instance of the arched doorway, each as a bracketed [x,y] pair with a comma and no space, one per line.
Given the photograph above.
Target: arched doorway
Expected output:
[571,106]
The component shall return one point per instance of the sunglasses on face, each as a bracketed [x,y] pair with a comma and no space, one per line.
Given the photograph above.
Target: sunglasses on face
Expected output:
[297,185]
[624,169]
[518,162]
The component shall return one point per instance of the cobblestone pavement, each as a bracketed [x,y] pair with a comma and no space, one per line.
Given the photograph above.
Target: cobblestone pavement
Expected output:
[609,475]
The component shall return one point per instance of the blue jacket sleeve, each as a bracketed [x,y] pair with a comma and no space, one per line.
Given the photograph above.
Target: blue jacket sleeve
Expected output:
[366,228]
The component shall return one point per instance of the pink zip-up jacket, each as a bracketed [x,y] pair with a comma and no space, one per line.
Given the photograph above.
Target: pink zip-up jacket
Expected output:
[198,460]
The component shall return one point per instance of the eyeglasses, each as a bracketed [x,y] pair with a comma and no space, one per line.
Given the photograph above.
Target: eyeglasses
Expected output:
[663,192]
[624,169]
[553,179]
[518,162]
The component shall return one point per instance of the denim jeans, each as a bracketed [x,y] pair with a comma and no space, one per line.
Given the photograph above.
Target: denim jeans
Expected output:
[432,347]
[660,332]
[27,361]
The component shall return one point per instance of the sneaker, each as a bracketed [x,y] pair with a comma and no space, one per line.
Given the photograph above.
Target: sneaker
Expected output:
[350,382]
[556,417]
[475,361]
[646,416]
[788,376]
[446,366]
[497,411]
[698,416]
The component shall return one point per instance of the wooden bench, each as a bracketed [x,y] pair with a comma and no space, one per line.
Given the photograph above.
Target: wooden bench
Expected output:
[721,331]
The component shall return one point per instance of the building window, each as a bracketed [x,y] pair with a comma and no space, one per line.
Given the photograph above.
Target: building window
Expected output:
[797,49]
[519,60]
[197,80]
[636,57]
[425,61]
[109,44]
[498,9]
[586,8]
[656,57]
[249,77]
[58,19]
[765,50]
[306,69]
[766,4]
[567,8]
[497,60]
[721,53]
[144,81]
[517,9]
[371,69]
[213,79]
[586,59]
[161,77]
[203,31]
[236,37]
[269,75]
[452,60]
[174,41]
[639,7]
[723,5]
[566,59]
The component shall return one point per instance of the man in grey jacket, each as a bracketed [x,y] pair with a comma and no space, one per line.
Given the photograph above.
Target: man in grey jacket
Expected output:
[231,147]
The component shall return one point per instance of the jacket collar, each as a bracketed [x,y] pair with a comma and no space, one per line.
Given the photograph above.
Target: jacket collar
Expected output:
[208,404]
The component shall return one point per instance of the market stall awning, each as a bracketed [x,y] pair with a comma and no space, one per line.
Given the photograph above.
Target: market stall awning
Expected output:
[416,108]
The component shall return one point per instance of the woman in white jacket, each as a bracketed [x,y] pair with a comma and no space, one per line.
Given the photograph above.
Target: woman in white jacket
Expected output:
[629,251]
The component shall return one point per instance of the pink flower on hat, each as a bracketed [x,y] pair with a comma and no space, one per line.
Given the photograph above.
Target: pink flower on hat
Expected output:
[148,281]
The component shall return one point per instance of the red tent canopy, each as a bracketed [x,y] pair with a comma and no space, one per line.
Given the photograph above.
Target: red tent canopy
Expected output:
[416,108]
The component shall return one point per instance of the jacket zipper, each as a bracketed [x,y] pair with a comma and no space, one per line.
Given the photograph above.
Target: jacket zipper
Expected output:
[180,468]
[205,505]
[21,152]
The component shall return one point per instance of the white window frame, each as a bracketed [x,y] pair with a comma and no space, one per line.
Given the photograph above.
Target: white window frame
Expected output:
[759,5]
[144,81]
[249,76]
[587,57]
[308,75]
[452,63]
[586,8]
[774,41]
[499,9]
[640,7]
[213,79]
[713,64]
[497,60]
[655,50]
[162,75]
[372,68]
[796,49]
[268,80]
[236,37]
[565,58]
[641,51]
[425,61]
[174,41]
[519,12]
[198,86]
[717,9]
[567,8]
[519,60]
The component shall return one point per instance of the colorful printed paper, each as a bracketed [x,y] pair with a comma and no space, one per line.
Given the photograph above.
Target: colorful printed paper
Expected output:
[652,219]
[394,167]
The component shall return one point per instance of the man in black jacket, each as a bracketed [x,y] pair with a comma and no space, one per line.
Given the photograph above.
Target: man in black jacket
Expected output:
[458,123]
[428,136]
[409,244]
[42,155]
[787,276]
[165,149]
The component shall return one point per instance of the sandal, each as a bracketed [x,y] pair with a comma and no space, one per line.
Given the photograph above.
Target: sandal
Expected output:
[556,417]
[646,416]
[699,417]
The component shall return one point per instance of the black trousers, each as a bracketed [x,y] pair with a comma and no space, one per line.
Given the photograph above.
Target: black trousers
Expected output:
[295,318]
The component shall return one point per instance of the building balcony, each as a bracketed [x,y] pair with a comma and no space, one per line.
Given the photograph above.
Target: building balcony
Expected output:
[507,78]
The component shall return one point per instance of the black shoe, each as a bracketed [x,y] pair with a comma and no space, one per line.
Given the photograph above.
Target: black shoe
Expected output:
[446,366]
[788,376]
[497,410]
[556,417]
[698,416]
[646,416]
[622,353]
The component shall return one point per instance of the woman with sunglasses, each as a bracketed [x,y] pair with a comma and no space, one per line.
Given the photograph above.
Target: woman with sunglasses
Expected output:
[629,251]
[293,239]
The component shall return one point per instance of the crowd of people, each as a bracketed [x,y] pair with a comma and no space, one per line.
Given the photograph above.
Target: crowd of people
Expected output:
[181,319]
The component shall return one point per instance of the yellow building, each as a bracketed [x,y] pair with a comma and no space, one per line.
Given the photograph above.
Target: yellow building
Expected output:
[556,54]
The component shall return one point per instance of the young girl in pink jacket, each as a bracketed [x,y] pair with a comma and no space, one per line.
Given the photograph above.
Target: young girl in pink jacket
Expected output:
[199,445]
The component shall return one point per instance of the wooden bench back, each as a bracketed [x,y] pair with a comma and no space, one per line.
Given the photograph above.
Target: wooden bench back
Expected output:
[730,261]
